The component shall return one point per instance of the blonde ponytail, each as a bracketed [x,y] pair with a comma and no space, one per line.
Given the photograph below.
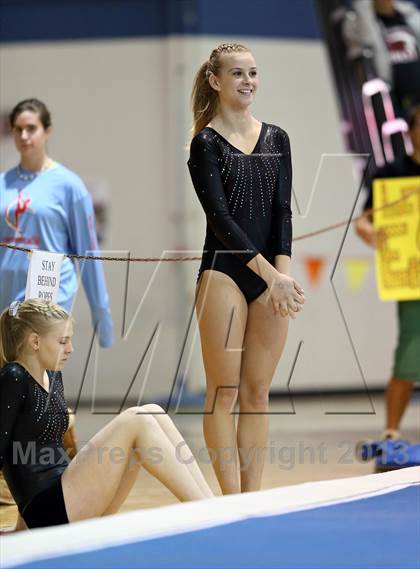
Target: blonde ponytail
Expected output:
[204,100]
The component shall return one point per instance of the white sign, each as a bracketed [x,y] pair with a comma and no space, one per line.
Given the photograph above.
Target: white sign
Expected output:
[44,275]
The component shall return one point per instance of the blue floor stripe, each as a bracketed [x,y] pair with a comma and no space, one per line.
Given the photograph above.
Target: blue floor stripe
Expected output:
[381,532]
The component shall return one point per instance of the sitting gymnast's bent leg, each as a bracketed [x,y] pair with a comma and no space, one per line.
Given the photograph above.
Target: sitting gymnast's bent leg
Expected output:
[49,489]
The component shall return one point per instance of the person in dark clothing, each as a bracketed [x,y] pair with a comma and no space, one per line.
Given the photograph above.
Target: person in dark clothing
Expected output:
[391,28]
[242,174]
[49,488]
[406,370]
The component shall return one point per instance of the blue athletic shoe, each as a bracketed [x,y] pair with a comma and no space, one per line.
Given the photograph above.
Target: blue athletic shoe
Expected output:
[397,454]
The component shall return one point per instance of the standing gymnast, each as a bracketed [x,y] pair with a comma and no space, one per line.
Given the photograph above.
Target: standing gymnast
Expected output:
[242,174]
[35,342]
[44,205]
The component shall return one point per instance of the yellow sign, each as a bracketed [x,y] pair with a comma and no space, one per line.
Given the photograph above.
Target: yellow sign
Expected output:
[398,250]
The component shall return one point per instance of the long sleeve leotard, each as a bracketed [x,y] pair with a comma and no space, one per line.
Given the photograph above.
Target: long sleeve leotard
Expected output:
[246,199]
[32,426]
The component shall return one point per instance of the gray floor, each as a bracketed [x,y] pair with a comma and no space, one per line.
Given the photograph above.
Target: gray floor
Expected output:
[314,441]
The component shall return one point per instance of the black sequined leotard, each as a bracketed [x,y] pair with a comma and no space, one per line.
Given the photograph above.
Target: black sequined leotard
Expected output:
[246,199]
[32,425]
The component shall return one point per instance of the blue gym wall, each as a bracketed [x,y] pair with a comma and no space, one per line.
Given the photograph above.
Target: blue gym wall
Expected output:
[64,20]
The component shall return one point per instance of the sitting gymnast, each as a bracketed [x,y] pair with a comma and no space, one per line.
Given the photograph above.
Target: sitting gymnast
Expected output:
[49,489]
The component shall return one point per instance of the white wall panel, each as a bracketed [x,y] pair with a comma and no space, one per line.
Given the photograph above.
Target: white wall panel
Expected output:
[121,120]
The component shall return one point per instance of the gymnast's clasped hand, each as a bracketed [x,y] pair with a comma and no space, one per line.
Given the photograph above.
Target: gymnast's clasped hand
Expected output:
[286,295]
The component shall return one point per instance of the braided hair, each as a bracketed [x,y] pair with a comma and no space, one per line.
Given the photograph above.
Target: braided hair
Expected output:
[204,98]
[32,315]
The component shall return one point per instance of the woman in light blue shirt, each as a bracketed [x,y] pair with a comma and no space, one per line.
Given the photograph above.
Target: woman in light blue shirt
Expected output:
[43,205]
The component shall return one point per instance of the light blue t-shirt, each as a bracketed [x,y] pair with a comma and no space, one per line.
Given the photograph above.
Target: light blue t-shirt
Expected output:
[52,212]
